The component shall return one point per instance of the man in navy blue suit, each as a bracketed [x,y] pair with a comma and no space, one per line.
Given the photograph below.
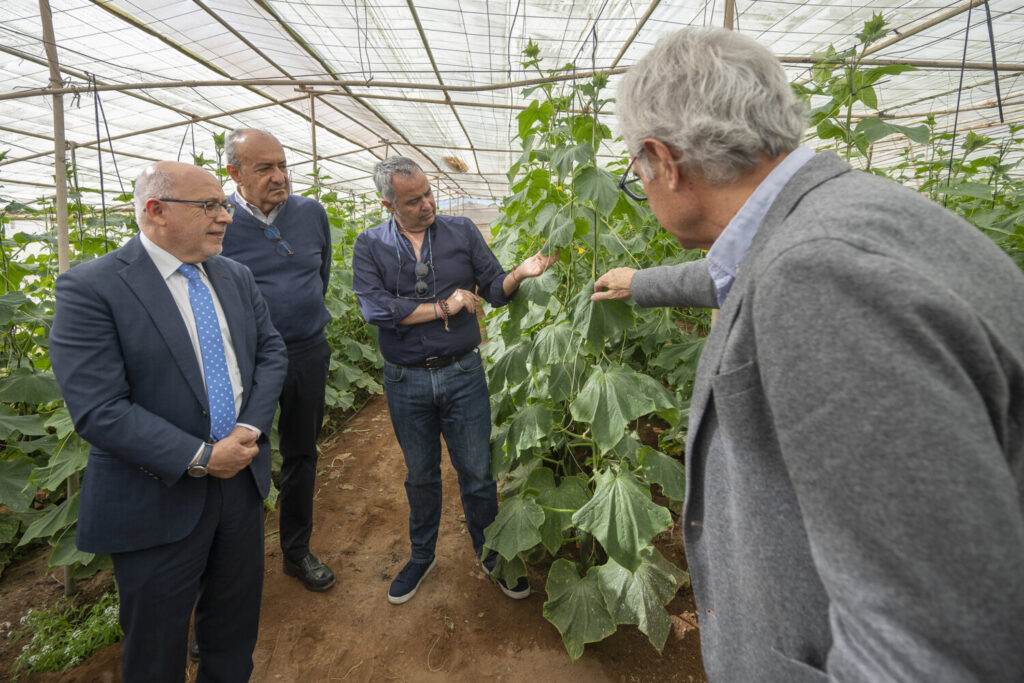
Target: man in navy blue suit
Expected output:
[171,369]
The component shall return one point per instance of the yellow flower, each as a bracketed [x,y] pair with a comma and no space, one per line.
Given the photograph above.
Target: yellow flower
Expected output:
[579,249]
[559,187]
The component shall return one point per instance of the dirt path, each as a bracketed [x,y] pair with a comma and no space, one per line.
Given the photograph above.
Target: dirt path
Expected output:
[459,627]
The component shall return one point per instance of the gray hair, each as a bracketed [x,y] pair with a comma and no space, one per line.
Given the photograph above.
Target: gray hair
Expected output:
[714,95]
[386,169]
[236,136]
[152,183]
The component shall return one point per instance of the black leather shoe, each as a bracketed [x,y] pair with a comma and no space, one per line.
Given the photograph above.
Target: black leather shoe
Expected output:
[314,574]
[193,646]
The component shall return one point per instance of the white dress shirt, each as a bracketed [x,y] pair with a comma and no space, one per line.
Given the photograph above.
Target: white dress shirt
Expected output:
[177,283]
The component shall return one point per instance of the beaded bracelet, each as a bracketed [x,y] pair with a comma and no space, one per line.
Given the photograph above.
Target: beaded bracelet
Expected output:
[445,313]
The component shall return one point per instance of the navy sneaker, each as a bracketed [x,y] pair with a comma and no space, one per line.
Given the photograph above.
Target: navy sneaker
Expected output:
[408,580]
[519,591]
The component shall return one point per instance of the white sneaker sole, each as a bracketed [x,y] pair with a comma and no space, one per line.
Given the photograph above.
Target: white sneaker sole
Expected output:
[508,591]
[408,596]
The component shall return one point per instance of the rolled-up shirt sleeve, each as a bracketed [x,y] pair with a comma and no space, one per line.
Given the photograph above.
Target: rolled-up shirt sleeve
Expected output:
[489,274]
[379,305]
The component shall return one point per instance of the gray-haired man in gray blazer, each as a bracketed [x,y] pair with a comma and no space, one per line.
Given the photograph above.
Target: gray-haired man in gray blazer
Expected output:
[856,447]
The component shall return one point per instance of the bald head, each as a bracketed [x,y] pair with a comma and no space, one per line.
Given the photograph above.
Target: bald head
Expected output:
[170,200]
[256,162]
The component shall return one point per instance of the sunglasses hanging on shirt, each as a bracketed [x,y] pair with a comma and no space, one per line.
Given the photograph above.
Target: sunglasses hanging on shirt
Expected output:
[271,232]
[421,270]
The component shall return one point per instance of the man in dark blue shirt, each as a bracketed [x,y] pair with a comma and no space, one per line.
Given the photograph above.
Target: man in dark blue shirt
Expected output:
[286,241]
[415,276]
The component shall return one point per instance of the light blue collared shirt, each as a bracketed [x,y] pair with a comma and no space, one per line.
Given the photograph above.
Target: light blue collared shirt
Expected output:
[729,250]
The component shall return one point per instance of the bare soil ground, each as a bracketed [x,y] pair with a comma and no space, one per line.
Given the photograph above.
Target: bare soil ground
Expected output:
[458,627]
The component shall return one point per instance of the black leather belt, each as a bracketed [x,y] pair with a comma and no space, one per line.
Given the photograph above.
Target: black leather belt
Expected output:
[438,362]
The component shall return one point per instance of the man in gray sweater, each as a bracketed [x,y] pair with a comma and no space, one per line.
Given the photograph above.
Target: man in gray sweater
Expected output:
[855,457]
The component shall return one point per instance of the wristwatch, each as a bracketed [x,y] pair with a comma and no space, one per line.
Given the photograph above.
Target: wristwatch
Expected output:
[199,468]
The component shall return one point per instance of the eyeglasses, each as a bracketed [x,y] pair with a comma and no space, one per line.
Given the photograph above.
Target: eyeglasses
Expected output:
[631,184]
[211,208]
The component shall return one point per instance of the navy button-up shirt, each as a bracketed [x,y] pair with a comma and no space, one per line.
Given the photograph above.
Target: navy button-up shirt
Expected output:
[384,279]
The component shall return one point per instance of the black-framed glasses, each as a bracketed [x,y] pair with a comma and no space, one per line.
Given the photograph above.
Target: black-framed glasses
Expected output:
[211,207]
[282,247]
[631,184]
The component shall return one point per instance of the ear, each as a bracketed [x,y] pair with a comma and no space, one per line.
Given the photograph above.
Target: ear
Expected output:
[155,210]
[664,161]
[233,171]
[388,205]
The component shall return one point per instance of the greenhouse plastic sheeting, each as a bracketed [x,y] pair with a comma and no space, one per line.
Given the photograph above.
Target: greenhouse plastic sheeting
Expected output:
[439,81]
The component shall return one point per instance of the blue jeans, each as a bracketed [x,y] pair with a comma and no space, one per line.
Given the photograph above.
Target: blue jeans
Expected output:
[425,404]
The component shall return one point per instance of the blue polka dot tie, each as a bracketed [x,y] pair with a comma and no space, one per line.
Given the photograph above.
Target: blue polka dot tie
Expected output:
[211,346]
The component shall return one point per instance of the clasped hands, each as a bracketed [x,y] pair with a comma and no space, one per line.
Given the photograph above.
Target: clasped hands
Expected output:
[233,453]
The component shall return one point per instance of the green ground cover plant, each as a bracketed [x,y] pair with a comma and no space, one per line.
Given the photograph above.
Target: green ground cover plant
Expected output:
[65,635]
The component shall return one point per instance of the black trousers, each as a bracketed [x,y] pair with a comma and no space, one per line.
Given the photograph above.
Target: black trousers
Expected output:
[221,562]
[298,427]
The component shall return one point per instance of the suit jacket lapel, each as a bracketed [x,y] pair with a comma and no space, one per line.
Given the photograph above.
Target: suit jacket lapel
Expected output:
[143,278]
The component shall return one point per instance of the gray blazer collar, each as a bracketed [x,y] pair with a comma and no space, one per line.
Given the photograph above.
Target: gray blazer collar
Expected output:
[823,167]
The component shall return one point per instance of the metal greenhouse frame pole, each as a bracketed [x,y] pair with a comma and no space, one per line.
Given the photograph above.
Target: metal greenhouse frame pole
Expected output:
[61,202]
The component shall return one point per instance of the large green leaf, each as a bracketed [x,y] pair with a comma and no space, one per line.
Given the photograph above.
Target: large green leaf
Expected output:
[679,359]
[598,186]
[560,502]
[919,134]
[9,525]
[665,471]
[967,189]
[622,516]
[70,459]
[29,446]
[9,304]
[576,607]
[640,597]
[516,528]
[511,367]
[16,491]
[527,118]
[565,379]
[29,425]
[529,306]
[61,422]
[25,386]
[509,570]
[551,345]
[563,230]
[614,396]
[65,552]
[530,427]
[599,322]
[53,519]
